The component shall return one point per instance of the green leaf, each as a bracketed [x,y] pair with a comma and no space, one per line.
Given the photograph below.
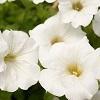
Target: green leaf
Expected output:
[35,93]
[5,95]
[49,96]
[18,95]
[63,98]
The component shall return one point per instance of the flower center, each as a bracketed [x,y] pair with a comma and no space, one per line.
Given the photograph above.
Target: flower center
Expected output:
[9,58]
[56,39]
[73,69]
[77,6]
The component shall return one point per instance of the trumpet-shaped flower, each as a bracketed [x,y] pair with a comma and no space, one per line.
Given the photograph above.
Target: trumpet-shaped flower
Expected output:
[53,32]
[18,61]
[69,73]
[78,12]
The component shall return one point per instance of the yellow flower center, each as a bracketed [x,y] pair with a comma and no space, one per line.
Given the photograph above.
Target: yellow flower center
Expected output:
[56,39]
[77,6]
[9,58]
[73,69]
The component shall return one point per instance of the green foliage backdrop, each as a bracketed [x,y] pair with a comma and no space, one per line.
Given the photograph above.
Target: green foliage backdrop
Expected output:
[24,15]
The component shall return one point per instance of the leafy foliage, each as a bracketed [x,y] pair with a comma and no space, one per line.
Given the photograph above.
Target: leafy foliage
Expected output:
[23,14]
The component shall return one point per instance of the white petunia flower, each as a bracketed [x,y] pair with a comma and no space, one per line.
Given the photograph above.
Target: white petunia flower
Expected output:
[19,61]
[53,32]
[68,72]
[40,1]
[96,24]
[78,12]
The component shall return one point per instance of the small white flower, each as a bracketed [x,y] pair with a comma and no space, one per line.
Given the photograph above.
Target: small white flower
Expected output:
[78,12]
[96,24]
[19,62]
[53,32]
[40,1]
[68,72]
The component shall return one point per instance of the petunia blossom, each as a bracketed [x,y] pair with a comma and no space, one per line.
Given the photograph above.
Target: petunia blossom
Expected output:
[19,61]
[69,72]
[78,12]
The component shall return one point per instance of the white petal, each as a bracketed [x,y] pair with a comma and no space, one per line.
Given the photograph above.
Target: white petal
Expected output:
[37,1]
[93,62]
[74,89]
[50,81]
[15,40]
[19,75]
[84,48]
[93,2]
[2,65]
[3,52]
[28,74]
[65,8]
[89,82]
[3,47]
[8,79]
[73,35]
[84,19]
[96,27]
[50,1]
[38,35]
[29,52]
[96,24]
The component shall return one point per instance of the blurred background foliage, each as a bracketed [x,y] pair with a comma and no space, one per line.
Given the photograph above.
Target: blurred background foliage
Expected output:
[24,15]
